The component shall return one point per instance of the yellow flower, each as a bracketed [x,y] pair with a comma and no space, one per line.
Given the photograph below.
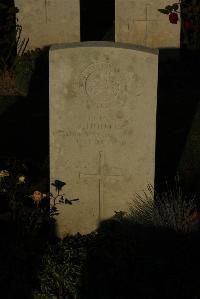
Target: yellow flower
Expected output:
[4,173]
[21,179]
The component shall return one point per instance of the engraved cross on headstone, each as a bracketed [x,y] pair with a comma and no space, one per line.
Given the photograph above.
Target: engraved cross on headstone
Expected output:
[100,176]
[146,20]
[45,9]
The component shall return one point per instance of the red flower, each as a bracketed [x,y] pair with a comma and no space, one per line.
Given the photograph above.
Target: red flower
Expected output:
[187,25]
[173,17]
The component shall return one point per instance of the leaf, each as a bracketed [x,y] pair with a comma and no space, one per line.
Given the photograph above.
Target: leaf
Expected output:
[169,7]
[164,11]
[175,7]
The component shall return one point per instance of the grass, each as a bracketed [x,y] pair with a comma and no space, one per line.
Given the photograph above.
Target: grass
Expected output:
[169,209]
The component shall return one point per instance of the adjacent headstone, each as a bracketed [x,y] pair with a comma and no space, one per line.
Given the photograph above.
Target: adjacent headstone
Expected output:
[47,22]
[139,22]
[103,99]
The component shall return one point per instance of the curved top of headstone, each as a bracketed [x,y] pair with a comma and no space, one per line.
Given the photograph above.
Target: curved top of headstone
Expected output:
[104,44]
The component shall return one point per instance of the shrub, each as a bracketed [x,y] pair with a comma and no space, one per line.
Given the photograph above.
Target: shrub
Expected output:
[25,227]
[8,45]
[170,209]
[12,48]
[23,69]
[62,267]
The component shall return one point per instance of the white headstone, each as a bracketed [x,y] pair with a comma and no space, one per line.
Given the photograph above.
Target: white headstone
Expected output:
[103,99]
[47,22]
[139,22]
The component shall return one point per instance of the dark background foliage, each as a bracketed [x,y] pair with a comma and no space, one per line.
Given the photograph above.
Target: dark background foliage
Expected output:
[7,32]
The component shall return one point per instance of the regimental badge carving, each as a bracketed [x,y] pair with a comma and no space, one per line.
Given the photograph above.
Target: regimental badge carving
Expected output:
[100,82]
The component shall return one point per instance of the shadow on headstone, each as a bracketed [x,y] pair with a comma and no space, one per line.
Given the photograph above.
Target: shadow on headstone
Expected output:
[177,104]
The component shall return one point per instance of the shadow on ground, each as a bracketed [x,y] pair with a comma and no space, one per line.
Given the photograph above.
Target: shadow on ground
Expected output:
[134,261]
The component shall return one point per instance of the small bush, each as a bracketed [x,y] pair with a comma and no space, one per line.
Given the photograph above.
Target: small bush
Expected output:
[24,68]
[8,45]
[62,267]
[24,229]
[170,209]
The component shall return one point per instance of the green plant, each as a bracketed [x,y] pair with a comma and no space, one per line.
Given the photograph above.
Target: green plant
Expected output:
[11,190]
[190,20]
[62,266]
[18,208]
[12,49]
[18,196]
[10,43]
[170,209]
[25,228]
[26,218]
[18,193]
[23,68]
[8,33]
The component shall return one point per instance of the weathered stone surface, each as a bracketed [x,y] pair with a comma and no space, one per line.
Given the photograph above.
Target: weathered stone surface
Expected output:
[47,22]
[103,99]
[139,22]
